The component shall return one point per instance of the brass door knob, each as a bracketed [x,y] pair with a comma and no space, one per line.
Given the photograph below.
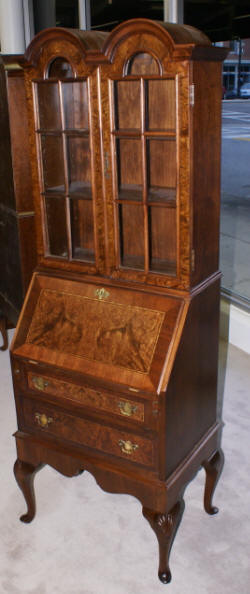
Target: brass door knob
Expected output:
[127,447]
[127,408]
[42,420]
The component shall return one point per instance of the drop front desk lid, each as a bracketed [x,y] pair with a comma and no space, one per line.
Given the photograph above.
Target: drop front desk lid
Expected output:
[114,334]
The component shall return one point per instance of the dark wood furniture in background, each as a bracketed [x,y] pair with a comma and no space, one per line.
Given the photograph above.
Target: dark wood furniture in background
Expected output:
[115,355]
[17,227]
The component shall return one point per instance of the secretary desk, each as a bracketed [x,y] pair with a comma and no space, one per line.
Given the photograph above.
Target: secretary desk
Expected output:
[114,358]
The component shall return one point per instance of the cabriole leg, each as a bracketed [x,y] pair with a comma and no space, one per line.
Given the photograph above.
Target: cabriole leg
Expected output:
[25,474]
[213,467]
[165,527]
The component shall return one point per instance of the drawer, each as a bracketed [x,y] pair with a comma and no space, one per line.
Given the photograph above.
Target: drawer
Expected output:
[108,440]
[100,400]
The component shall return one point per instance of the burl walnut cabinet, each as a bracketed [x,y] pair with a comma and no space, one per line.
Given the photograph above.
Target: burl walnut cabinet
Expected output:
[115,355]
[17,227]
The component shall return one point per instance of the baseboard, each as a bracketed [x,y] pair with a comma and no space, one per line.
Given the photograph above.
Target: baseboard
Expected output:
[235,325]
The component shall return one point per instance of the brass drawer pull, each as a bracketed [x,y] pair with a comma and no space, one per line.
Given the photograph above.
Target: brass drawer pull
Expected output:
[101,293]
[43,420]
[127,447]
[40,383]
[127,408]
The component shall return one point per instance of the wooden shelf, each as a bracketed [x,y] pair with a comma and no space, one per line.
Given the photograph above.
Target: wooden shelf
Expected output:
[164,196]
[130,192]
[136,133]
[133,262]
[55,190]
[156,196]
[128,133]
[160,134]
[162,266]
[83,254]
[81,189]
[76,131]
[66,131]
[76,190]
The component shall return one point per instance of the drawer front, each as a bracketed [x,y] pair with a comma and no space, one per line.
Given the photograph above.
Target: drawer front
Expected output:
[119,443]
[97,399]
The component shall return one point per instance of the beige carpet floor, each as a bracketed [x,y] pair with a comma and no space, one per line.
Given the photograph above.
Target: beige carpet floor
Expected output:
[85,541]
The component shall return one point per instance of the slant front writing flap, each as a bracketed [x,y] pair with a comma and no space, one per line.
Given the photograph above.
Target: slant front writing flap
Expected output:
[111,333]
[97,330]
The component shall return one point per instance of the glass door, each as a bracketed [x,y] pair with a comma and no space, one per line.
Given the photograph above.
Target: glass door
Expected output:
[63,139]
[145,156]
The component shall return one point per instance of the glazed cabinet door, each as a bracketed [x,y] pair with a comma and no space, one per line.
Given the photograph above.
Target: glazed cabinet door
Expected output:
[147,164]
[69,193]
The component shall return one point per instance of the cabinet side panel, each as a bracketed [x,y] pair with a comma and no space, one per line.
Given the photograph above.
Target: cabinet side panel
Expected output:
[192,390]
[206,154]
[10,277]
[20,141]
[27,243]
[6,179]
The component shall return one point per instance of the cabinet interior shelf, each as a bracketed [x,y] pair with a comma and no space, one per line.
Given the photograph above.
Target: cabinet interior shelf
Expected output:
[156,195]
[67,132]
[137,133]
[76,190]
[155,265]
[166,196]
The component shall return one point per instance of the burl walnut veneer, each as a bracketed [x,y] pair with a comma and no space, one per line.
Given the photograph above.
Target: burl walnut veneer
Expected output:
[115,354]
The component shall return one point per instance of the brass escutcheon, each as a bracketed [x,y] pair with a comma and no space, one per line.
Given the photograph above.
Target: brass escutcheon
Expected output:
[127,447]
[127,408]
[40,383]
[43,420]
[101,293]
